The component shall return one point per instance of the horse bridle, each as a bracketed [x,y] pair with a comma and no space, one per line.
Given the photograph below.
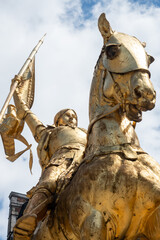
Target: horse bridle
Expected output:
[117,106]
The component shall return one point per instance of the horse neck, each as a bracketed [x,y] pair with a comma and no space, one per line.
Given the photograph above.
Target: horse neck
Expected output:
[113,128]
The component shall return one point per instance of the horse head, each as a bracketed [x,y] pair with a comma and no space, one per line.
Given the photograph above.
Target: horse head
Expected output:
[126,77]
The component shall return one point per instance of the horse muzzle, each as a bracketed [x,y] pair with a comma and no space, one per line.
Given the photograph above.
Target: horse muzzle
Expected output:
[143,91]
[145,98]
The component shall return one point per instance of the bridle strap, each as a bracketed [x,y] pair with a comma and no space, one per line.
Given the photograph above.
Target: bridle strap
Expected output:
[112,109]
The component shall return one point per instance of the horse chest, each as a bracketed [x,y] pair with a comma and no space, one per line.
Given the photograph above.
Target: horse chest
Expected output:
[120,189]
[116,178]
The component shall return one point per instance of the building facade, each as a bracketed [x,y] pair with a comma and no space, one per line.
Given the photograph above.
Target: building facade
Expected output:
[18,202]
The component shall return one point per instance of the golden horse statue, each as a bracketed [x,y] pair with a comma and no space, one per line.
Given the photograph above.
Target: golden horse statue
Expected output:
[115,193]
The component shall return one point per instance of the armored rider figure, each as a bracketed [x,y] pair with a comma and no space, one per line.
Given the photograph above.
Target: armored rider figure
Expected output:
[60,151]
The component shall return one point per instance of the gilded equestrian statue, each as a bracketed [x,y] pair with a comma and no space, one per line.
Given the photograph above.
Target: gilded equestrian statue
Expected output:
[115,193]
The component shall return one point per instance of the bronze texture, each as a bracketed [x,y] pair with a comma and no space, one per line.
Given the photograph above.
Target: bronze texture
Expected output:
[115,192]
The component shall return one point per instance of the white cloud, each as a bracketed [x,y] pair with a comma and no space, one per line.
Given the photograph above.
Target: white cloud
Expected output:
[64,68]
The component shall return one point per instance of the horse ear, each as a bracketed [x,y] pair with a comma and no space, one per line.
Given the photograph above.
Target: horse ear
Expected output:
[150,59]
[104,27]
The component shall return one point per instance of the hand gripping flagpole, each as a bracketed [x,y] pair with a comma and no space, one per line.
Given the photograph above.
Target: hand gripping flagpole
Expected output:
[19,75]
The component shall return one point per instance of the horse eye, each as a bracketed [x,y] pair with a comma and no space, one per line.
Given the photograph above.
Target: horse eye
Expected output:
[112,51]
[150,59]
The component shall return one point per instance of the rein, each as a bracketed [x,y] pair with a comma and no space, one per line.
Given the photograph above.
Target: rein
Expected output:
[105,114]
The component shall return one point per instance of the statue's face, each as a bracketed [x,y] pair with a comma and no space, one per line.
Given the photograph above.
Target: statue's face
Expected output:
[69,118]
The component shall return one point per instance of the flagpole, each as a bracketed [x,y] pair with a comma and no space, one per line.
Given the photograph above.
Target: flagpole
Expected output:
[19,75]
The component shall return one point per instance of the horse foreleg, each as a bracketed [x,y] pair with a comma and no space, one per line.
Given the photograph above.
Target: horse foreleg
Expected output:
[93,227]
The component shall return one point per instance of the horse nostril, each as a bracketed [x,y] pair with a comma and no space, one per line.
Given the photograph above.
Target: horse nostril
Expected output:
[137,92]
[151,95]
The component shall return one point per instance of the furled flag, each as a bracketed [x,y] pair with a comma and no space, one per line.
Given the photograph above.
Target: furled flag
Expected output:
[11,126]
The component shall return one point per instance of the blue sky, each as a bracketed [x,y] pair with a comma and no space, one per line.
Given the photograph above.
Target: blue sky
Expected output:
[148,2]
[64,67]
[87,6]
